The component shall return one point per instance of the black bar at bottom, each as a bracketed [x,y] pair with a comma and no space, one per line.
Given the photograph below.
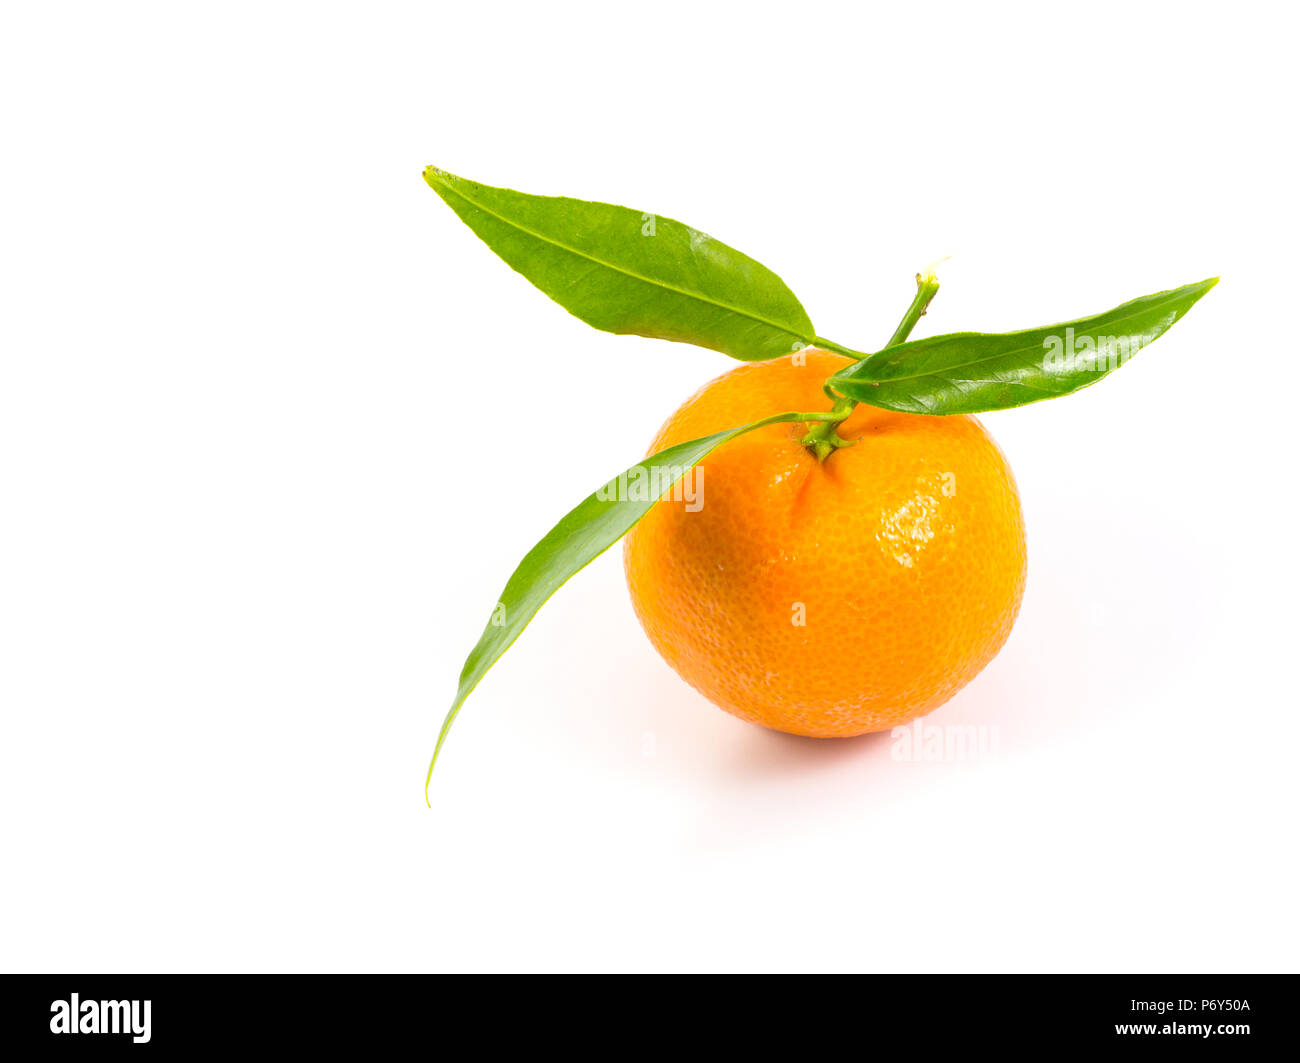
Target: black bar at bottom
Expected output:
[613,1016]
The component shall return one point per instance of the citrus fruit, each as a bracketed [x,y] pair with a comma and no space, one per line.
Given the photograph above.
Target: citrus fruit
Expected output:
[837,597]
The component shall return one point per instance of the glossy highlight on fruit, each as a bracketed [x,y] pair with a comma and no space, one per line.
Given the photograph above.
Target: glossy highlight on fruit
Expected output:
[829,598]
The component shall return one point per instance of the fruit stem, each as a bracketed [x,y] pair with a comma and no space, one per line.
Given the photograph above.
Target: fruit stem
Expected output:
[926,286]
[824,439]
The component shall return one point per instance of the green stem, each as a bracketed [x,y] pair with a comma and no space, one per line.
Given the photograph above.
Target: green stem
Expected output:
[926,286]
[824,439]
[831,345]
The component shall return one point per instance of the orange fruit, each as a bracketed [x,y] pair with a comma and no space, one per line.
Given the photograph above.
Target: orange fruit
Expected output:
[828,598]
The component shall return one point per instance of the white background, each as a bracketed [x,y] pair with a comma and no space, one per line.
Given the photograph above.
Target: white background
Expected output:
[275,427]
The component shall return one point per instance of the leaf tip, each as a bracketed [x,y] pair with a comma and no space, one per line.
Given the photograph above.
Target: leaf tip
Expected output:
[1200,289]
[434,177]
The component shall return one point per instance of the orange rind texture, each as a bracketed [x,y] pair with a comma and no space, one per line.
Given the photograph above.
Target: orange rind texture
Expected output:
[835,598]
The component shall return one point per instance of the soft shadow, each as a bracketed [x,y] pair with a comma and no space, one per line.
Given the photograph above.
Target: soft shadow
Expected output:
[758,753]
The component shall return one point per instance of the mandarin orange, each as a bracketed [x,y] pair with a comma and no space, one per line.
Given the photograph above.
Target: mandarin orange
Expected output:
[828,598]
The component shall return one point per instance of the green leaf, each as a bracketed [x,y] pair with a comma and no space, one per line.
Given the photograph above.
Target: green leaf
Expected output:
[584,533]
[971,372]
[630,272]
